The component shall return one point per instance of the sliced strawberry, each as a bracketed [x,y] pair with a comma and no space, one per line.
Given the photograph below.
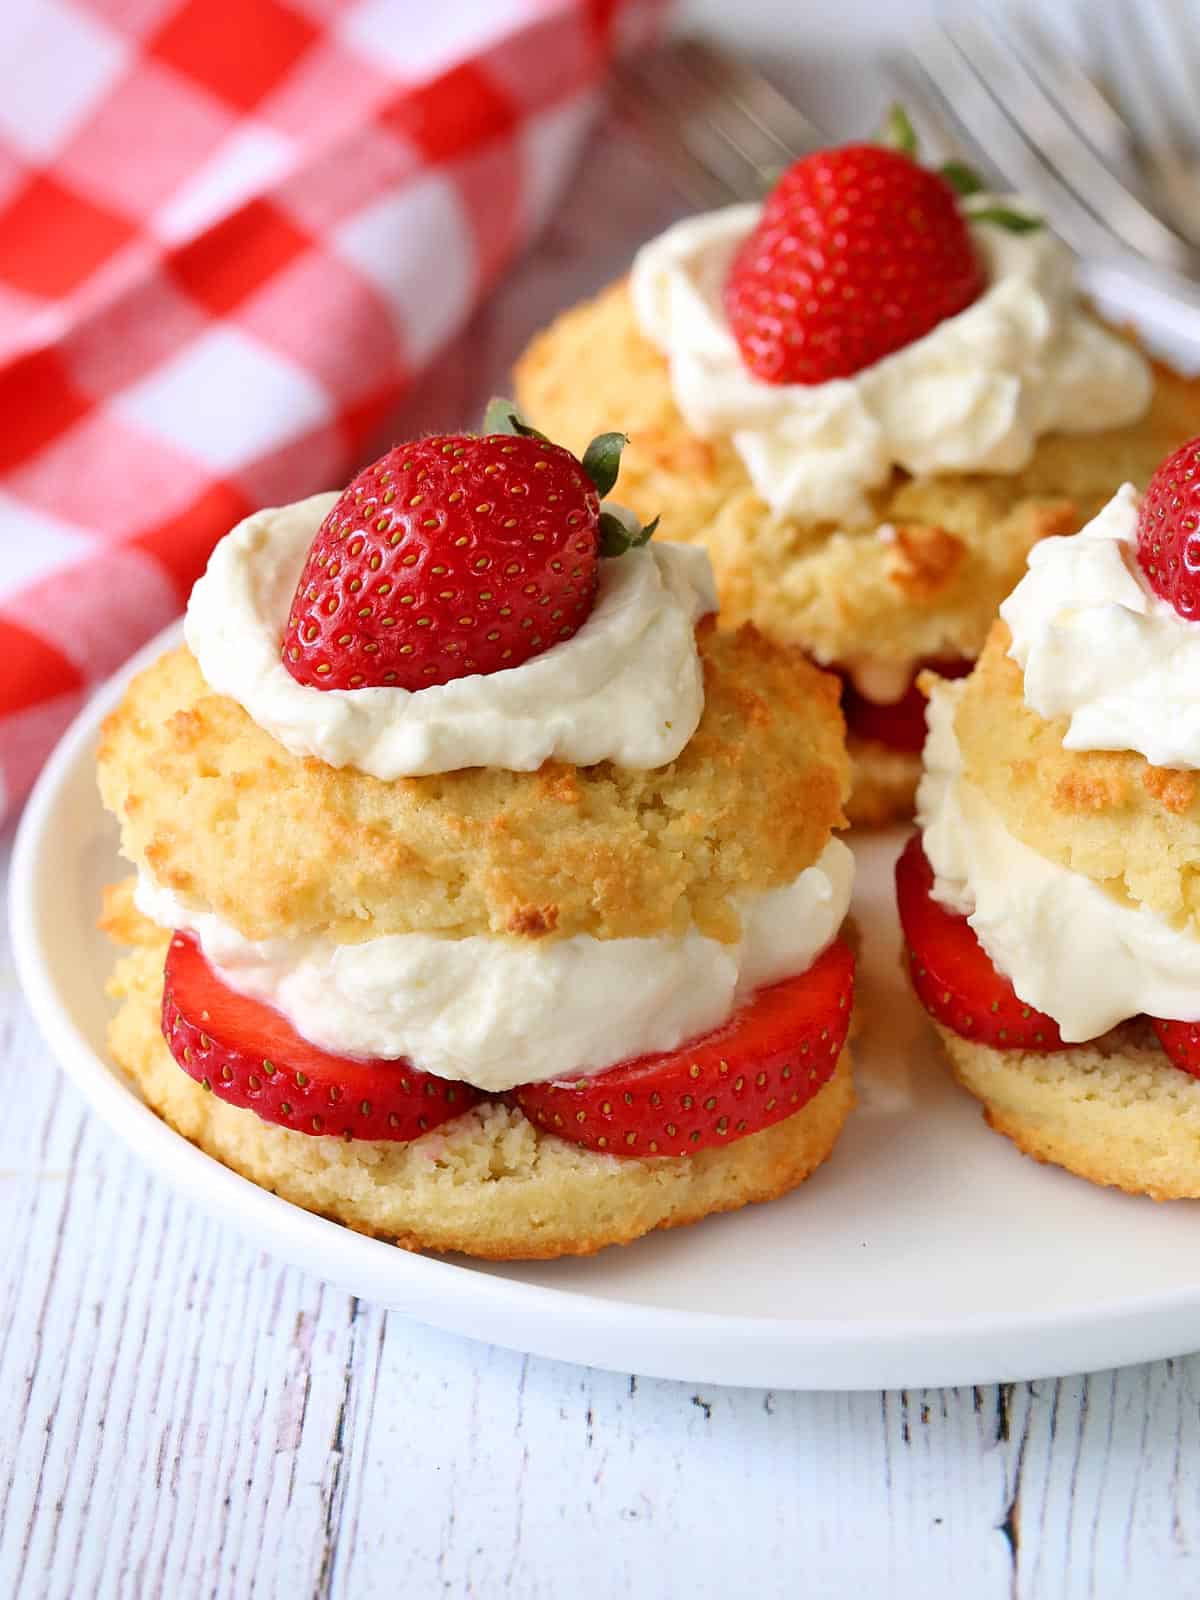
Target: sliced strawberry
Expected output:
[250,1055]
[1168,530]
[901,725]
[766,1062]
[952,974]
[1181,1041]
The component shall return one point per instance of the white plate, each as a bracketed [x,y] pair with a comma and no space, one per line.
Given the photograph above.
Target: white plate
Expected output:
[926,1252]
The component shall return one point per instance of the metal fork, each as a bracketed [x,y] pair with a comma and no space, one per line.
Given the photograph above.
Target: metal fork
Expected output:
[1029,116]
[722,131]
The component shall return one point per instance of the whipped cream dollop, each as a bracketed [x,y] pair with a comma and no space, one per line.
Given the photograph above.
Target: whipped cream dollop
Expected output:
[973,395]
[1068,946]
[496,1012]
[627,688]
[1099,647]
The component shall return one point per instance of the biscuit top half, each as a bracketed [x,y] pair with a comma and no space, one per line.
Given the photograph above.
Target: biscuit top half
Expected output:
[280,845]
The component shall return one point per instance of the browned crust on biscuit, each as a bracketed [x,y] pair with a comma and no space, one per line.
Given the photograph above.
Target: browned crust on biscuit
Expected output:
[1129,826]
[278,845]
[489,1184]
[1113,1111]
[961,539]
[883,783]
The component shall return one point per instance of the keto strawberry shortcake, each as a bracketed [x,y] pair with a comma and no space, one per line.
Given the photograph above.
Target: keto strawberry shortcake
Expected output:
[1051,904]
[487,897]
[869,397]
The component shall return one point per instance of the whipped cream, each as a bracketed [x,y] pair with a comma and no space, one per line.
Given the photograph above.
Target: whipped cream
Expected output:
[627,688]
[1099,647]
[973,395]
[496,1012]
[1068,946]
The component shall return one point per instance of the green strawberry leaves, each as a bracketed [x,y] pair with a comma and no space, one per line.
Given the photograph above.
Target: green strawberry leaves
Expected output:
[602,463]
[896,132]
[619,534]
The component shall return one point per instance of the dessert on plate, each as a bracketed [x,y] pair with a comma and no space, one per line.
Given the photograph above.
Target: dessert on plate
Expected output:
[488,898]
[869,397]
[1051,903]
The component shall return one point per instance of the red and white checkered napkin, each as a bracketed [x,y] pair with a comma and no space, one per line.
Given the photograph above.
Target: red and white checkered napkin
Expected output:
[229,238]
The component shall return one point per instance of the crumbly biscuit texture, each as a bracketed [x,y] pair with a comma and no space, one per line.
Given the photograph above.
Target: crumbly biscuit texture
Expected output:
[952,547]
[1131,827]
[489,1183]
[883,782]
[1113,1111]
[278,845]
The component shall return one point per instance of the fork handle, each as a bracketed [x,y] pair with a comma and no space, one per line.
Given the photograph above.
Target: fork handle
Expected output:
[1163,302]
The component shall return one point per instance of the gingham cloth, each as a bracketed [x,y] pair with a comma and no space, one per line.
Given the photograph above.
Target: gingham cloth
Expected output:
[231,233]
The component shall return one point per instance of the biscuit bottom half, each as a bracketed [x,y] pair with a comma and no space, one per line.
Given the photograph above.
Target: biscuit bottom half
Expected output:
[487,1184]
[883,782]
[1113,1110]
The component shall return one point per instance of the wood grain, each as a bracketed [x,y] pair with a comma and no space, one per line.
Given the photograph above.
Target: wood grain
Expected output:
[187,1418]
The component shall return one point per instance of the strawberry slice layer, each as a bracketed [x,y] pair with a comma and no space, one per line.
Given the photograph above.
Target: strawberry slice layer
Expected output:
[765,1063]
[952,973]
[250,1055]
[901,725]
[1181,1041]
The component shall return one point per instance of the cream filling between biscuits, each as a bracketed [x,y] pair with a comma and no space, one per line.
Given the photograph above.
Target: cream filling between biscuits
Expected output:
[1067,946]
[499,1012]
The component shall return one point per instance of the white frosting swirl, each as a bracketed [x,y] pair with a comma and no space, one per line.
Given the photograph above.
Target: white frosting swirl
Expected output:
[1099,647]
[499,1012]
[973,395]
[627,688]
[1067,946]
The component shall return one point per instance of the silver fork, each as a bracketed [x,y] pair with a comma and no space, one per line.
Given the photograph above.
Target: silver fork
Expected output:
[722,131]
[1150,60]
[1024,112]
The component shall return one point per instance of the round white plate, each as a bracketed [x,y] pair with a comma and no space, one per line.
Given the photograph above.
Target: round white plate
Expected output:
[926,1252]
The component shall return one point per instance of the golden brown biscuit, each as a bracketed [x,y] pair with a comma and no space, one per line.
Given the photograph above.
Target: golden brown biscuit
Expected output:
[278,845]
[960,540]
[489,1183]
[1113,1110]
[883,782]
[1110,815]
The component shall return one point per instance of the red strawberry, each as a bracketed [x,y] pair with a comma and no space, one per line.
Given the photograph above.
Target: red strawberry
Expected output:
[954,979]
[858,252]
[901,725]
[1168,530]
[248,1054]
[451,556]
[765,1063]
[1181,1041]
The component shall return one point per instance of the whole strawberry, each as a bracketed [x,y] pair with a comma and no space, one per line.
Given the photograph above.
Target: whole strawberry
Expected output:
[1168,530]
[859,251]
[454,555]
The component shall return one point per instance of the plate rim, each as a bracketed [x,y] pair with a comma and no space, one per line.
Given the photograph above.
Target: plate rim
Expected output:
[566,1324]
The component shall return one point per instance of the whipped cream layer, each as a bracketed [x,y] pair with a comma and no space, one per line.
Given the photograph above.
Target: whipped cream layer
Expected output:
[1099,647]
[496,1012]
[1068,947]
[973,395]
[627,688]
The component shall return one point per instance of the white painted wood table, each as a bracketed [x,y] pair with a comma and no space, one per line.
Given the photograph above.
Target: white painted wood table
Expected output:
[182,1416]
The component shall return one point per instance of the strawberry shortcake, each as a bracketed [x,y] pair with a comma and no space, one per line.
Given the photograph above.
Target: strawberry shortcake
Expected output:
[869,397]
[1051,903]
[488,898]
